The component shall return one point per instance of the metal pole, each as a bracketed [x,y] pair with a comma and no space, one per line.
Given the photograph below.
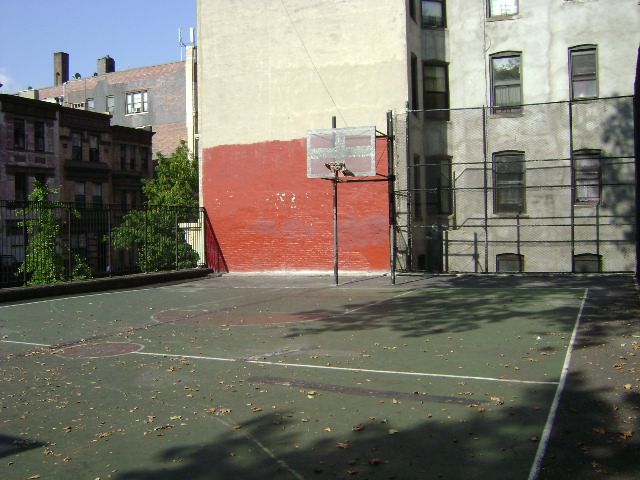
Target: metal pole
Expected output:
[446,251]
[109,227]
[335,217]
[176,239]
[486,192]
[24,245]
[69,242]
[392,203]
[572,190]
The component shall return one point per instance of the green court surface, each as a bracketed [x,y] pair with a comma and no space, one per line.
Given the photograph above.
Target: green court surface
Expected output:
[225,378]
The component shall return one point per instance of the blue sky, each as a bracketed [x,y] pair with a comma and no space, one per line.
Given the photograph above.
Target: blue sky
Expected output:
[135,33]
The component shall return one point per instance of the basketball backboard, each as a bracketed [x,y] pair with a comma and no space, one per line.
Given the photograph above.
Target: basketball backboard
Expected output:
[353,146]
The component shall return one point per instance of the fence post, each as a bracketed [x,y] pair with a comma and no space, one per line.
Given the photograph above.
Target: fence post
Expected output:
[486,193]
[146,249]
[176,238]
[24,246]
[109,240]
[70,259]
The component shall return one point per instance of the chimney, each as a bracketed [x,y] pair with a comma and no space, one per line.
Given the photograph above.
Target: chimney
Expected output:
[60,68]
[106,65]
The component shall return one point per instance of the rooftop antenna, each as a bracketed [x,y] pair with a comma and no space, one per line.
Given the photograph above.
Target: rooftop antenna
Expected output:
[182,43]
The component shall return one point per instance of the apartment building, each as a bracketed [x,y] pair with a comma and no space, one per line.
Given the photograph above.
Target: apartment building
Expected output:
[79,153]
[159,98]
[512,138]
[529,165]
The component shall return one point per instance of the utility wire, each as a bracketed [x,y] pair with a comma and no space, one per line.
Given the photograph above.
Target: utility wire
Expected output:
[312,62]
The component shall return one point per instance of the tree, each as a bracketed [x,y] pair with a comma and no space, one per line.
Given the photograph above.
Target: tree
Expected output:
[44,263]
[171,199]
[176,180]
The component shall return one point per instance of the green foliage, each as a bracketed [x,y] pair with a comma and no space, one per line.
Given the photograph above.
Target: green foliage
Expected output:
[155,233]
[44,263]
[156,236]
[176,180]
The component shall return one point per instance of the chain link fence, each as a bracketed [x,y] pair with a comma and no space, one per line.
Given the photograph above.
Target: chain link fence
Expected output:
[543,188]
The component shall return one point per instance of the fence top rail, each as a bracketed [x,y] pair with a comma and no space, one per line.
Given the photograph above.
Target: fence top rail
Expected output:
[489,107]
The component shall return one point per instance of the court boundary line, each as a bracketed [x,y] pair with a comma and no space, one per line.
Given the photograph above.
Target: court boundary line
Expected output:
[320,367]
[553,411]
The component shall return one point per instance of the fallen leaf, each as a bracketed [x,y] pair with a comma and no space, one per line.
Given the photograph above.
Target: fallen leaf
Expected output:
[343,445]
[392,431]
[625,434]
[375,461]
[256,409]
[600,430]
[358,428]
[627,386]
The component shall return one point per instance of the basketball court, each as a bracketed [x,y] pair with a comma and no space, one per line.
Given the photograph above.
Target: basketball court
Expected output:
[286,377]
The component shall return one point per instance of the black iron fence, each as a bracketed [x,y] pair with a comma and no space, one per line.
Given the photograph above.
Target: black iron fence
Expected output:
[45,243]
[547,188]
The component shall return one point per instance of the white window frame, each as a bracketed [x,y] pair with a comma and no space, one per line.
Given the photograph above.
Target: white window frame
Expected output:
[137,102]
[502,8]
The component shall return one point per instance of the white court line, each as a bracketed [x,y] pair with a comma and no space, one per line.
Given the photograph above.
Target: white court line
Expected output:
[323,367]
[546,433]
[59,299]
[31,344]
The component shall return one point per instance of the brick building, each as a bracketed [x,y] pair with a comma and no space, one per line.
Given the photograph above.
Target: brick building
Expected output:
[159,98]
[89,161]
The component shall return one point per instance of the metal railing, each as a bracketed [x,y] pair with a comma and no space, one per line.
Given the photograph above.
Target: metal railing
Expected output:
[51,242]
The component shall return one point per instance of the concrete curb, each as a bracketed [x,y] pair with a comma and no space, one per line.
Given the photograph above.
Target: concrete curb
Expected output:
[14,294]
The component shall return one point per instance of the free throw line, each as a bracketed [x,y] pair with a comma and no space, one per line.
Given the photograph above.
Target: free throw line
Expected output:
[321,367]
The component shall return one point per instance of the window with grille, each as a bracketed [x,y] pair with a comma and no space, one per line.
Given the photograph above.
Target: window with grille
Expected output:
[509,182]
[584,72]
[501,8]
[433,13]
[80,197]
[436,90]
[587,263]
[506,82]
[586,176]
[509,262]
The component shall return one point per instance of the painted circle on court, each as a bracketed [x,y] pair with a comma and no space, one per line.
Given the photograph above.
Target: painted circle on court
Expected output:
[99,350]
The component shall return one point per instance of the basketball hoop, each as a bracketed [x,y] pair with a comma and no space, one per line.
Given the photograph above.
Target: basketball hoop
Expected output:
[336,167]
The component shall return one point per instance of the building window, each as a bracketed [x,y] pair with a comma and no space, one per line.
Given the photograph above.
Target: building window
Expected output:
[438,191]
[90,104]
[436,89]
[80,197]
[132,157]
[123,157]
[502,8]
[19,137]
[20,187]
[583,68]
[508,182]
[38,135]
[79,194]
[445,187]
[144,159]
[94,148]
[586,176]
[414,83]
[137,102]
[587,263]
[111,103]
[97,195]
[76,147]
[506,82]
[433,13]
[509,262]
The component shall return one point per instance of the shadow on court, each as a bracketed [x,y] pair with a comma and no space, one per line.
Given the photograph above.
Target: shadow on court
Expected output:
[109,414]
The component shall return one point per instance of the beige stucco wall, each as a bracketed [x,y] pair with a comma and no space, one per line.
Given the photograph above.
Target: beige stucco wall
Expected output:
[268,72]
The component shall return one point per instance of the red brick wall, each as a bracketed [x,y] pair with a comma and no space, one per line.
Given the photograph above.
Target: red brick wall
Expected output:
[268,216]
